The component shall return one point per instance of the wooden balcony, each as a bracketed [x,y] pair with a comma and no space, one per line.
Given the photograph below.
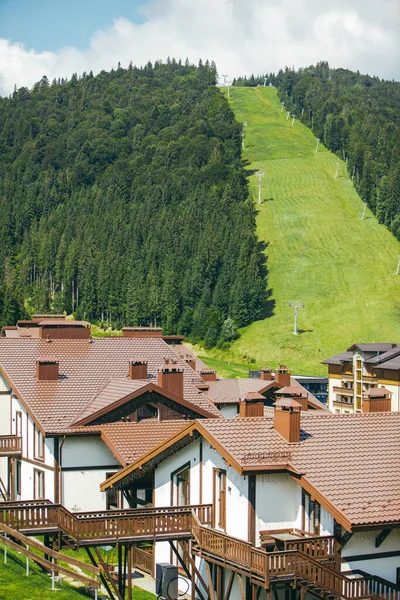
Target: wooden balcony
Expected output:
[347,377]
[370,379]
[10,445]
[344,391]
[301,565]
[322,548]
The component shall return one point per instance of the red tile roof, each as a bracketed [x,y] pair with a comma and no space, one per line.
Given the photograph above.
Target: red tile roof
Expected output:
[85,368]
[351,460]
[350,463]
[129,441]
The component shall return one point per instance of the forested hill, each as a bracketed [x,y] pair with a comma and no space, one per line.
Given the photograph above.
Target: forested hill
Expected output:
[356,116]
[123,198]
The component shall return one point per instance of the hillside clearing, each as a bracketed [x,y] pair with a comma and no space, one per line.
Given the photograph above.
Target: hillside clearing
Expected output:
[318,249]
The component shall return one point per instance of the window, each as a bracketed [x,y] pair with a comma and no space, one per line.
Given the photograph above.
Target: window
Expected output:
[181,486]
[219,508]
[38,450]
[38,484]
[18,478]
[18,423]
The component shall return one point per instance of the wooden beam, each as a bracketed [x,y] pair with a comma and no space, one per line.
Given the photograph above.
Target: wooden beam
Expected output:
[229,586]
[130,566]
[106,571]
[46,550]
[49,566]
[211,592]
[187,572]
[218,586]
[382,537]
[251,534]
[241,586]
[346,537]
[103,579]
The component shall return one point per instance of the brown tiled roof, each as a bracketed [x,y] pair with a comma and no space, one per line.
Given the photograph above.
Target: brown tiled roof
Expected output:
[350,463]
[182,349]
[291,390]
[287,403]
[232,391]
[114,390]
[376,392]
[253,396]
[85,368]
[338,359]
[129,441]
[351,460]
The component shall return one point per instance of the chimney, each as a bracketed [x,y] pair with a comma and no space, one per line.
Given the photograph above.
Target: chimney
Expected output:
[137,368]
[170,377]
[377,400]
[190,360]
[47,369]
[296,393]
[266,374]
[208,374]
[252,405]
[287,419]
[282,376]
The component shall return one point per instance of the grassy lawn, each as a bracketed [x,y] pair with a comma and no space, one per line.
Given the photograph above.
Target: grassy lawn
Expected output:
[15,585]
[318,249]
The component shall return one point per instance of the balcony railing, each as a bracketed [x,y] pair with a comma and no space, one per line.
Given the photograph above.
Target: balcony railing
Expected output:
[347,377]
[10,445]
[319,547]
[344,391]
[177,522]
[370,379]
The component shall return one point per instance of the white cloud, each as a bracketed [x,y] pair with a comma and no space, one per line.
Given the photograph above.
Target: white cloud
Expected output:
[242,36]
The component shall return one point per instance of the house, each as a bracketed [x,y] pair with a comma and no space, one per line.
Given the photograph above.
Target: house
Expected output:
[63,395]
[229,394]
[326,483]
[352,374]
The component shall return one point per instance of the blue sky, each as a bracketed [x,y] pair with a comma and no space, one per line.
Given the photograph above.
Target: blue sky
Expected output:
[51,24]
[60,37]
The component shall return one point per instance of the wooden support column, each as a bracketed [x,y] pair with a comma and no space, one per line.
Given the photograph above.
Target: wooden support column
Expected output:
[211,592]
[57,499]
[130,568]
[11,491]
[192,563]
[120,588]
[252,510]
[229,586]
[219,584]
[241,586]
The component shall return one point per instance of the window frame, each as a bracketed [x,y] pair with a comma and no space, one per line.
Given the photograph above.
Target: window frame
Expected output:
[38,481]
[38,444]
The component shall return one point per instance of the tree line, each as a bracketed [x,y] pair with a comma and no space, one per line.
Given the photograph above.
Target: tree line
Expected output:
[123,200]
[357,117]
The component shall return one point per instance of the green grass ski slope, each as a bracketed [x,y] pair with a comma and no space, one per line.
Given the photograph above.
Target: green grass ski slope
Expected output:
[319,251]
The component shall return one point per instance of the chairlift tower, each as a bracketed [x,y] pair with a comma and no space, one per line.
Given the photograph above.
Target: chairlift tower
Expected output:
[226,83]
[318,141]
[398,265]
[293,118]
[296,306]
[259,175]
[244,125]
[282,105]
[337,170]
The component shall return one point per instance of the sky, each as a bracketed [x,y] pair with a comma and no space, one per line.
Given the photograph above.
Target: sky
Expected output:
[60,37]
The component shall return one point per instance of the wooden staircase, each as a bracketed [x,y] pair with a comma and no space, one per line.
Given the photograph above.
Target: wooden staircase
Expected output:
[127,527]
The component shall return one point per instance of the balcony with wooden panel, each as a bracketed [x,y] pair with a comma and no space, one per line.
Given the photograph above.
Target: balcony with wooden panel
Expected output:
[343,390]
[10,445]
[370,379]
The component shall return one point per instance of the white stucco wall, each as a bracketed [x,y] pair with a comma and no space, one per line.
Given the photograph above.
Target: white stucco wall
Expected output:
[364,543]
[326,522]
[81,489]
[278,502]
[86,451]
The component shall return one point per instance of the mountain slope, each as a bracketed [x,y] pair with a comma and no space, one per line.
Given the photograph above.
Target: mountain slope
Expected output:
[319,250]
[123,199]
